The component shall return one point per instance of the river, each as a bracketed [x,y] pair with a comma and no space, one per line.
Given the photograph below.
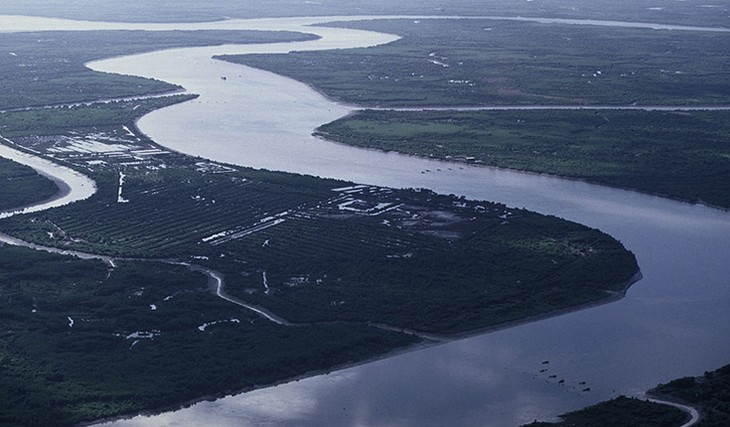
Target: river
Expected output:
[73,186]
[672,323]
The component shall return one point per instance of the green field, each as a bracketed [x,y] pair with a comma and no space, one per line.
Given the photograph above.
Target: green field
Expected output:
[682,155]
[491,62]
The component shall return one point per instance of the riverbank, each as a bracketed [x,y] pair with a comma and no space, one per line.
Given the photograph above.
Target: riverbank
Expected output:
[593,209]
[612,297]
[131,181]
[673,154]
[663,219]
[72,185]
[248,182]
[347,366]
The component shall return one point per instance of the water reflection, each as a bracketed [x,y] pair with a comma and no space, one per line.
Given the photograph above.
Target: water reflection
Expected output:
[674,322]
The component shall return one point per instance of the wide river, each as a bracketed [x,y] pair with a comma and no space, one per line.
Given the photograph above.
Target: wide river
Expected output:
[674,322]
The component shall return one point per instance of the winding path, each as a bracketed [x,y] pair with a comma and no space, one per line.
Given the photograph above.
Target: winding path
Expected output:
[218,285]
[693,413]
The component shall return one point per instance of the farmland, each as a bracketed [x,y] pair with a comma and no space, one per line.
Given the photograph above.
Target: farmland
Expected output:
[315,250]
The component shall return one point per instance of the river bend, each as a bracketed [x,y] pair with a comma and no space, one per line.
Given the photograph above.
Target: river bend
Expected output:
[673,323]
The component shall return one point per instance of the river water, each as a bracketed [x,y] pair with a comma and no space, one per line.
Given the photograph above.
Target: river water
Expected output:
[73,186]
[674,322]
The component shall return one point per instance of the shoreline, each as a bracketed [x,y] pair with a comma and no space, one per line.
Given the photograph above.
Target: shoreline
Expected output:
[63,188]
[422,345]
[61,175]
[324,137]
[416,347]
[612,296]
[425,343]
[411,348]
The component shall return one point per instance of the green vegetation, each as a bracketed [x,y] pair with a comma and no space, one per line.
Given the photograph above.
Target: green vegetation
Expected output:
[80,341]
[408,258]
[490,62]
[710,393]
[169,212]
[340,258]
[486,62]
[621,412]
[48,68]
[20,185]
[684,155]
[428,266]
[51,121]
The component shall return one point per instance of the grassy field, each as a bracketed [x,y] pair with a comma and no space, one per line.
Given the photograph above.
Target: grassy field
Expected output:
[683,155]
[490,62]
